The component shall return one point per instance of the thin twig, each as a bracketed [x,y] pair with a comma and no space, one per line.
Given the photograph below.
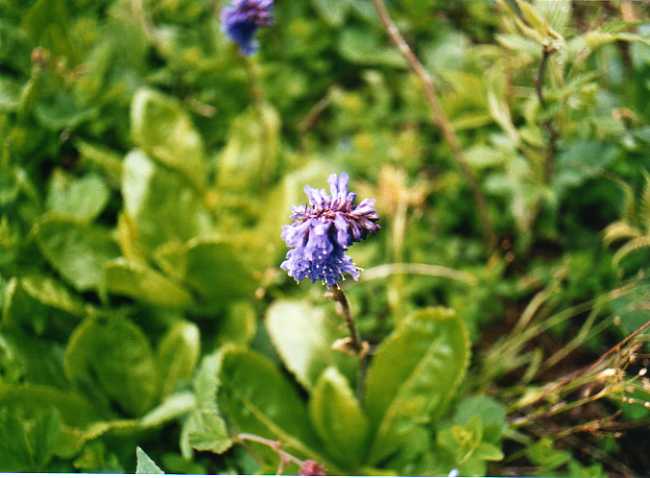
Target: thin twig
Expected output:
[314,114]
[553,135]
[404,268]
[359,347]
[440,119]
[284,456]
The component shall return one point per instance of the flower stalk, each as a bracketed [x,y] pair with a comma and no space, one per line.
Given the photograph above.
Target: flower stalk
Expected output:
[353,343]
[306,467]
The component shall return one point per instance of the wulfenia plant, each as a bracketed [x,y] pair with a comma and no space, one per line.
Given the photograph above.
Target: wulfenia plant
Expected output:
[363,407]
[168,290]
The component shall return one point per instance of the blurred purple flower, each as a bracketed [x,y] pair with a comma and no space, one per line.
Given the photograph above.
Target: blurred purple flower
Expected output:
[323,230]
[241,19]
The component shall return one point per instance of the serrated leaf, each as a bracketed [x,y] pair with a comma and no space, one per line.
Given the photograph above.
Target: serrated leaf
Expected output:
[139,282]
[178,354]
[162,128]
[112,360]
[205,429]
[338,418]
[413,375]
[303,336]
[146,465]
[77,251]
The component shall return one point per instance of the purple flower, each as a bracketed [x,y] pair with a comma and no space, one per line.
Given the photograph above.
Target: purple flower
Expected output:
[323,230]
[241,19]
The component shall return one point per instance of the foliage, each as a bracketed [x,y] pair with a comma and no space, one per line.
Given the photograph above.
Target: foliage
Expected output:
[146,170]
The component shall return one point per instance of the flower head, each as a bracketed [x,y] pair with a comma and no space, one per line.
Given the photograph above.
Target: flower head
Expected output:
[323,230]
[241,19]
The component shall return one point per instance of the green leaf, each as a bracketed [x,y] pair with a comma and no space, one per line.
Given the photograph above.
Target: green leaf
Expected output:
[164,131]
[303,336]
[74,409]
[577,470]
[77,251]
[39,303]
[52,293]
[488,452]
[142,283]
[174,406]
[543,454]
[145,465]
[250,155]
[334,12]
[27,441]
[216,272]
[150,193]
[465,445]
[581,161]
[491,413]
[239,326]
[97,458]
[81,199]
[62,111]
[413,375]
[256,398]
[361,47]
[9,95]
[205,430]
[558,14]
[112,359]
[178,354]
[108,162]
[338,419]
[28,359]
[47,23]
[461,441]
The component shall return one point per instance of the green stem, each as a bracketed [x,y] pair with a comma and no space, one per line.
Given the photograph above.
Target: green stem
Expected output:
[359,347]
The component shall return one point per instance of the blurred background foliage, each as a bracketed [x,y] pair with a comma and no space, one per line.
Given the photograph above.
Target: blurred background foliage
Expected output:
[146,170]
